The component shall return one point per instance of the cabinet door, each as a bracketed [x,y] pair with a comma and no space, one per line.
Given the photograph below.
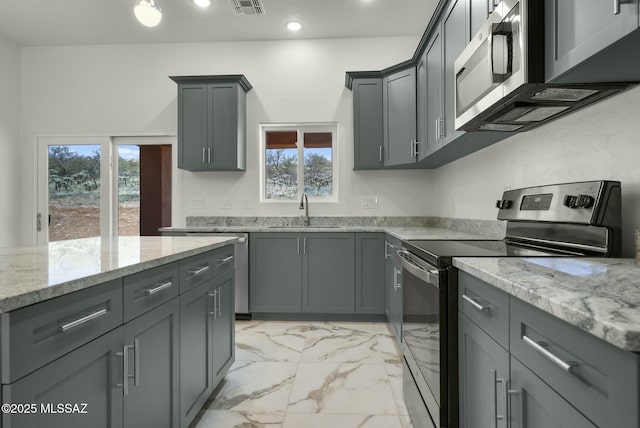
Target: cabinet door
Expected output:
[196,348]
[481,362]
[275,272]
[434,117]
[223,325]
[535,404]
[399,114]
[328,273]
[368,142]
[370,273]
[223,126]
[153,396]
[88,375]
[192,126]
[577,29]
[454,32]
[421,105]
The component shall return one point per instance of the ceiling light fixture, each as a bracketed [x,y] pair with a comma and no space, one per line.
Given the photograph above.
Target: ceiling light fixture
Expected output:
[202,3]
[147,12]
[294,26]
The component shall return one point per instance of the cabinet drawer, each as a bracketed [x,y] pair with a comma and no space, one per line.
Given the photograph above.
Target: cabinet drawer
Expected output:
[40,333]
[596,375]
[203,267]
[485,305]
[146,290]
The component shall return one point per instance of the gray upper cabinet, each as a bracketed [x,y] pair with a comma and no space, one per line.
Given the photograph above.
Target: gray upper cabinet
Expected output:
[275,272]
[422,97]
[328,272]
[399,116]
[370,273]
[433,119]
[578,29]
[212,122]
[368,142]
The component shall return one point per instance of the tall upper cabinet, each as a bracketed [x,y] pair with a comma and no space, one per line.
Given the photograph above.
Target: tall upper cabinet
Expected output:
[212,122]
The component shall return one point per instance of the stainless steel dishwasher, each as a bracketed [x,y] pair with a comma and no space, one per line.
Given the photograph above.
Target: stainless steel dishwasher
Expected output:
[241,270]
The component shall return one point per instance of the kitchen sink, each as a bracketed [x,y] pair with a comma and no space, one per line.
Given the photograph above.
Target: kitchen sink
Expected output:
[305,227]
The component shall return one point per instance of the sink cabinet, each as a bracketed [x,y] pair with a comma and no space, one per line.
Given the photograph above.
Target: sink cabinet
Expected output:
[212,122]
[370,273]
[165,351]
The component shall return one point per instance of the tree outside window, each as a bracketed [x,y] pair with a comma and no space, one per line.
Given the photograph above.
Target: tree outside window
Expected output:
[290,153]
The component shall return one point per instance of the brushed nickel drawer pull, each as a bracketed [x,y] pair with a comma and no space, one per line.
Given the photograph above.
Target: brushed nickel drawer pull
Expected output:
[475,304]
[198,271]
[567,366]
[226,259]
[84,319]
[150,291]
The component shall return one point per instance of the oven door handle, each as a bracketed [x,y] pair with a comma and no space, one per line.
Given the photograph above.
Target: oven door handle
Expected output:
[429,276]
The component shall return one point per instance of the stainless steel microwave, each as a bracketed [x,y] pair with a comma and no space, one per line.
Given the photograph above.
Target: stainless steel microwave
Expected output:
[499,76]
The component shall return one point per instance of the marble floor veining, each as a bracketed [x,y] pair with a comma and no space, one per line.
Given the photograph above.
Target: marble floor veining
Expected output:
[308,375]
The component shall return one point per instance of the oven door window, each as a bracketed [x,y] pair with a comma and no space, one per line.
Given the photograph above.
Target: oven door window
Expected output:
[421,328]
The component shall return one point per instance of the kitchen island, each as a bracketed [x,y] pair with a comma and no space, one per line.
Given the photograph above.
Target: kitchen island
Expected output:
[128,331]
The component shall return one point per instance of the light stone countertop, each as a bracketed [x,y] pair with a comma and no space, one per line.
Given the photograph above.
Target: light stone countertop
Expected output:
[33,274]
[404,233]
[598,295]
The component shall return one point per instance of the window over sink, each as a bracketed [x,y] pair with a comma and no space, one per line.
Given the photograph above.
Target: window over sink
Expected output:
[298,159]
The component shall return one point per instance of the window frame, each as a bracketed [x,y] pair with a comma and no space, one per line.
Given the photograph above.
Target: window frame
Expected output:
[300,128]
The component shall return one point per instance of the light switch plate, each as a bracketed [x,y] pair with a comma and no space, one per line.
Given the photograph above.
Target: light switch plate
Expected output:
[197,203]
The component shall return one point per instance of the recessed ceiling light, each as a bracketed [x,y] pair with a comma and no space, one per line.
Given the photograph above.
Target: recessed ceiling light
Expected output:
[294,26]
[147,12]
[202,3]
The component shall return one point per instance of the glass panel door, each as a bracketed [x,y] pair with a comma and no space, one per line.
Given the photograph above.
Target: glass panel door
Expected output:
[128,190]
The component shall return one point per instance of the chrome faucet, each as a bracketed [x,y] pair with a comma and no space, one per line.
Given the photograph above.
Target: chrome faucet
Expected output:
[304,205]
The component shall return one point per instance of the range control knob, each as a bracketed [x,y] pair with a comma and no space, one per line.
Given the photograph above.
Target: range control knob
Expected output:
[585,201]
[571,201]
[503,204]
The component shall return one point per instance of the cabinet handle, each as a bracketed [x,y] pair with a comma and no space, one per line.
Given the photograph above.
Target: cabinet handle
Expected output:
[136,362]
[298,246]
[226,259]
[219,300]
[616,7]
[212,294]
[380,154]
[386,253]
[396,283]
[209,154]
[203,150]
[437,128]
[494,398]
[304,246]
[125,369]
[475,304]
[150,291]
[198,271]
[84,319]
[441,128]
[567,366]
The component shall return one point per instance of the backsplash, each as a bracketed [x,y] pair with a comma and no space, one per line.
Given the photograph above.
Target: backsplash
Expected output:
[483,227]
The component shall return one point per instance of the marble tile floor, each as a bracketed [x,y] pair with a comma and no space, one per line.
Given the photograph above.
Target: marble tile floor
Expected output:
[308,375]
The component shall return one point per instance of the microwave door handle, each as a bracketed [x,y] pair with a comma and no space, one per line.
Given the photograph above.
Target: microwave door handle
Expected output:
[500,29]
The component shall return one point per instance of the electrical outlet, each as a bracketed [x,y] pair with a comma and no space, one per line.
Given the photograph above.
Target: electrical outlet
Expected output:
[370,202]
[225,204]
[197,203]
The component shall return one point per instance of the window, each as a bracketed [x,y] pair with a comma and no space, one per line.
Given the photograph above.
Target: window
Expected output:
[291,152]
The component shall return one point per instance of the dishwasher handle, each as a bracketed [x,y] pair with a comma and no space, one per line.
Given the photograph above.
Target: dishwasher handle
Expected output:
[409,262]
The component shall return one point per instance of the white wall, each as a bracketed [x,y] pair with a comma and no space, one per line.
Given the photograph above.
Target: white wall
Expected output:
[599,142]
[10,190]
[122,89]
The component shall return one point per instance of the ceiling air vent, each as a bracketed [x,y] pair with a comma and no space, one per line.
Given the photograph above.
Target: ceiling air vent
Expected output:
[247,7]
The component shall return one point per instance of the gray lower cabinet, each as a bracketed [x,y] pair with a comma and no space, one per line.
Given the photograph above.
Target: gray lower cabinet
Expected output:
[482,362]
[328,273]
[545,373]
[399,116]
[368,142]
[393,285]
[578,29]
[370,273]
[212,122]
[151,397]
[89,375]
[196,349]
[275,272]
[223,325]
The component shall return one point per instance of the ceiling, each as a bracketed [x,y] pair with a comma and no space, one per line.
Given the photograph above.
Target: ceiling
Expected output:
[86,22]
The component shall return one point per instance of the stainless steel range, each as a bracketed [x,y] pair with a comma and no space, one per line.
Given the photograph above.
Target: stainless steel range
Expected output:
[572,219]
